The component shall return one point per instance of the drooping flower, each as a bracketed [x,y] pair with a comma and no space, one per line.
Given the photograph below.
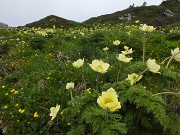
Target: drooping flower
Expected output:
[152,66]
[176,54]
[127,50]
[99,66]
[116,42]
[123,58]
[133,78]
[147,28]
[54,111]
[70,85]
[105,49]
[109,100]
[79,63]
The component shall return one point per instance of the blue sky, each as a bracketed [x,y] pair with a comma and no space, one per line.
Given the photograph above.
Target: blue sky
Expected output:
[20,12]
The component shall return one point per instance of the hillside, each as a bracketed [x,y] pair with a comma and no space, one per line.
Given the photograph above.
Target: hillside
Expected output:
[168,12]
[52,20]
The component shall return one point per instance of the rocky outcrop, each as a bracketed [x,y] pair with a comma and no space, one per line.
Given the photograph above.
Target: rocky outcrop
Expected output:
[3,25]
[168,13]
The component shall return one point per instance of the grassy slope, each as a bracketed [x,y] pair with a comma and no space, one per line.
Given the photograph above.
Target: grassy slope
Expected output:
[152,15]
[50,21]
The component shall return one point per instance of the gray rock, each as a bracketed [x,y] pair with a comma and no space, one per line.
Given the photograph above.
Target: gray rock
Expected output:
[3,25]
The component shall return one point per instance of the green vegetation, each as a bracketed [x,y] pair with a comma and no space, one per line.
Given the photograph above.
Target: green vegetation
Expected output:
[36,64]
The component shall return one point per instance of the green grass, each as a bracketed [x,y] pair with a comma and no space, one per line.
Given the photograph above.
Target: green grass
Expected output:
[35,68]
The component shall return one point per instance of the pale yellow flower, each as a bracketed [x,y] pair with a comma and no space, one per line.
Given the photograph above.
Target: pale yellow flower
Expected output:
[133,78]
[137,21]
[127,50]
[123,58]
[105,49]
[147,28]
[3,86]
[99,66]
[109,100]
[70,85]
[79,63]
[176,54]
[152,66]
[116,42]
[54,111]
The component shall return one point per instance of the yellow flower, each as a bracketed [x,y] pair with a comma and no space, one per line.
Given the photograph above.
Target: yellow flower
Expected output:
[69,123]
[152,66]
[6,94]
[133,78]
[5,107]
[116,42]
[21,110]
[147,28]
[15,92]
[70,85]
[48,78]
[99,66]
[12,90]
[109,100]
[123,58]
[36,115]
[127,50]
[79,63]
[137,21]
[54,111]
[16,104]
[105,49]
[176,54]
[3,86]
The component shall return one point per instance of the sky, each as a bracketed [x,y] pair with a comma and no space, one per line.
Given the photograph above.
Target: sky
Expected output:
[20,12]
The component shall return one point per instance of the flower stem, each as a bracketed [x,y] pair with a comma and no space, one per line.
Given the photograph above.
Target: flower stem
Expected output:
[71,94]
[84,80]
[173,93]
[119,71]
[144,46]
[97,81]
[171,59]
[107,116]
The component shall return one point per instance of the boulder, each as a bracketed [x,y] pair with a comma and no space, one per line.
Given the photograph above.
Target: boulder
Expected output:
[3,25]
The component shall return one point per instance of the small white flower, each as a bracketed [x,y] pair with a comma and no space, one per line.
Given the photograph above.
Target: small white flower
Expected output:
[176,54]
[79,63]
[54,111]
[123,58]
[152,66]
[133,78]
[70,85]
[127,50]
[105,49]
[116,42]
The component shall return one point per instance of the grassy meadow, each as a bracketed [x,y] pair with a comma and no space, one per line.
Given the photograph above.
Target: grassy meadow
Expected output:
[45,90]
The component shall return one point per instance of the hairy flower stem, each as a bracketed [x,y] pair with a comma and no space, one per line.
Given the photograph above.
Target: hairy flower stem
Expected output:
[71,94]
[172,93]
[106,55]
[97,81]
[144,46]
[107,120]
[84,80]
[119,71]
[165,59]
[171,59]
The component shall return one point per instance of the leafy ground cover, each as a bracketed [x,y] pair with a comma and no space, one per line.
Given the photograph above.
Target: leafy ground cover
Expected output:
[77,81]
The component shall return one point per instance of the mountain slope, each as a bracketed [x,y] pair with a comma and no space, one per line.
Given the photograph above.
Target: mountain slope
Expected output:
[168,12]
[51,21]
